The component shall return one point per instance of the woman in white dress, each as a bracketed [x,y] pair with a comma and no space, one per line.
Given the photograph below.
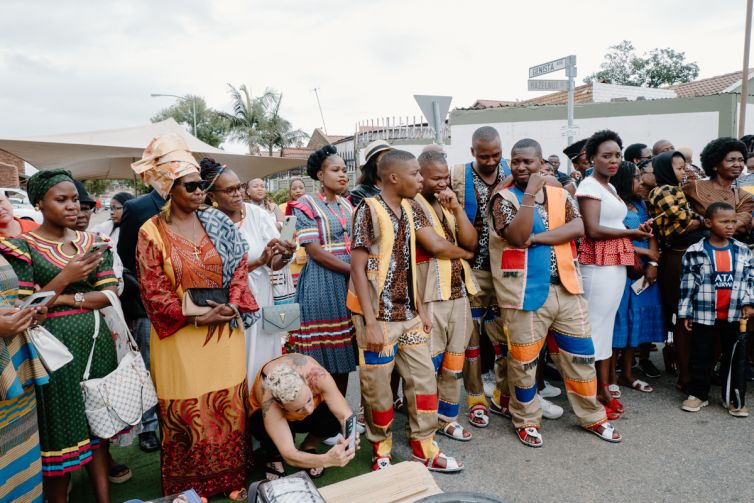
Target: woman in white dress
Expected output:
[604,254]
[266,253]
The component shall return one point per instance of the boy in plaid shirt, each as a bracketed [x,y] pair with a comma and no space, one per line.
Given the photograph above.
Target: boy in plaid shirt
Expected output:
[717,292]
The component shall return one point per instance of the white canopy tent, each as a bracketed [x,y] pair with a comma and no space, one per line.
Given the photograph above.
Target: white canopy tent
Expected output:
[108,154]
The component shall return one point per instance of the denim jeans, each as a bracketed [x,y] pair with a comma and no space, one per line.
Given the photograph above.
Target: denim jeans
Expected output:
[141,331]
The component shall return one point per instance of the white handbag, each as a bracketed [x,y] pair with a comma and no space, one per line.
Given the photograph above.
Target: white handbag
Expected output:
[118,400]
[52,353]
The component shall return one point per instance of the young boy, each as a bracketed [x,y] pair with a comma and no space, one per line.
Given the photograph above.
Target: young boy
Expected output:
[445,281]
[717,292]
[392,329]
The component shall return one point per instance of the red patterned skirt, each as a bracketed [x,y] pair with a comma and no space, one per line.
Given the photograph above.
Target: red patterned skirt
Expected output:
[204,442]
[606,252]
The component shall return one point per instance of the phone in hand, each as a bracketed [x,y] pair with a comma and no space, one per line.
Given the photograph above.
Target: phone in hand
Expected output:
[38,299]
[638,286]
[289,228]
[97,246]
[349,431]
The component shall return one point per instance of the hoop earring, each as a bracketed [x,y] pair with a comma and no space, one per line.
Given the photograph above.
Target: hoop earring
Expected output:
[214,204]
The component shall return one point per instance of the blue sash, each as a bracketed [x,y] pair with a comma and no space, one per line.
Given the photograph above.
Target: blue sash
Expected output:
[537,264]
[470,205]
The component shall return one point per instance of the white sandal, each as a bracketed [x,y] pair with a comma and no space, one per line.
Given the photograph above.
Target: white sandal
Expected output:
[451,465]
[614,390]
[479,412]
[607,432]
[457,433]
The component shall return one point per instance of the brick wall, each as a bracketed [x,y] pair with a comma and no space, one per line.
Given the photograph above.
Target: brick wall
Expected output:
[10,167]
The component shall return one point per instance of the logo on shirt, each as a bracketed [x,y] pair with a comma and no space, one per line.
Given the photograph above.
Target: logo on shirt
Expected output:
[723,281]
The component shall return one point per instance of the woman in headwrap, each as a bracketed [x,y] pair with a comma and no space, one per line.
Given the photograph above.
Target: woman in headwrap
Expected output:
[678,227]
[198,362]
[59,259]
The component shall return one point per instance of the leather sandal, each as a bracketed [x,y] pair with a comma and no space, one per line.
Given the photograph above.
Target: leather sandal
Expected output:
[434,465]
[479,416]
[605,431]
[530,432]
[455,431]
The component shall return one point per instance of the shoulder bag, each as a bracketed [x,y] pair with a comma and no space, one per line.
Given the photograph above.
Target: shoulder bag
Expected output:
[283,316]
[296,488]
[118,400]
[52,353]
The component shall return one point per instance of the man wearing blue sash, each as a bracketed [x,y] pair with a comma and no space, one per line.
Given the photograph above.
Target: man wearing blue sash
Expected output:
[473,184]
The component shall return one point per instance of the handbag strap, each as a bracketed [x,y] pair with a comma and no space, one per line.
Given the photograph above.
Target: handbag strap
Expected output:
[94,343]
[118,308]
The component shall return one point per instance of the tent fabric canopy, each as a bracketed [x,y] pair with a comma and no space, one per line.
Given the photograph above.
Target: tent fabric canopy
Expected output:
[108,154]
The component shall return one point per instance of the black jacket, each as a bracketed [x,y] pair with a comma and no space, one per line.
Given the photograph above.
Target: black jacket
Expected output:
[135,213]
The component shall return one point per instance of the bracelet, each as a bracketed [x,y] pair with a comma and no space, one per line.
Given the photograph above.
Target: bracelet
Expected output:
[195,325]
[531,239]
[652,263]
[530,194]
[528,206]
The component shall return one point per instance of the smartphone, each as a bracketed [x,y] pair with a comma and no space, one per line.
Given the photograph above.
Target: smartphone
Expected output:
[97,246]
[289,229]
[638,286]
[38,299]
[349,431]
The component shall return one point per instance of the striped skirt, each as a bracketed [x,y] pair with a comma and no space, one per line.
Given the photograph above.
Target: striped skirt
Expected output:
[20,463]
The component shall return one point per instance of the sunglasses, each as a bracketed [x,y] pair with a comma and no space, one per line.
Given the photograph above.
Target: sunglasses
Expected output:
[192,186]
[229,191]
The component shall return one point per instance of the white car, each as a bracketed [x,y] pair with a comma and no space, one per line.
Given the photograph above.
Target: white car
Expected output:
[22,207]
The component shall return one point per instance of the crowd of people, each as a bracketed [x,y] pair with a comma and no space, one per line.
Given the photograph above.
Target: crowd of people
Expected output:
[426,277]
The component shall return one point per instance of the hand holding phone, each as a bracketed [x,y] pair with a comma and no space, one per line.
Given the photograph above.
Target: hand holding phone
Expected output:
[289,228]
[38,299]
[349,431]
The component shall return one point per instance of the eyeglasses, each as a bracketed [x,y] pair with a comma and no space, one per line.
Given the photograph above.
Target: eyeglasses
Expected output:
[192,186]
[229,191]
[116,208]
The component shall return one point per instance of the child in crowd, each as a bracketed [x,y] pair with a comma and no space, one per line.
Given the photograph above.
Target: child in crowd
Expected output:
[717,292]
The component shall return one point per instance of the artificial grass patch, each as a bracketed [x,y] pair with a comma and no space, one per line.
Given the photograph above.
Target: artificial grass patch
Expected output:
[145,483]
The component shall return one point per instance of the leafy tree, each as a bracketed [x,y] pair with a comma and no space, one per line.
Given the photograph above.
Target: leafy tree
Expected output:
[247,121]
[97,187]
[280,196]
[278,132]
[211,128]
[657,68]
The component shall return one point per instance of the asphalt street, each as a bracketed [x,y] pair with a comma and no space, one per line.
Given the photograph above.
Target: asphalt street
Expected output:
[666,455]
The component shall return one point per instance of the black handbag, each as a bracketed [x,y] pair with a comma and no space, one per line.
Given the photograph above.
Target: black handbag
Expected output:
[195,300]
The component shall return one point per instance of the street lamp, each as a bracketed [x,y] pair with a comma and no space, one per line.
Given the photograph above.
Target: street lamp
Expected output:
[184,98]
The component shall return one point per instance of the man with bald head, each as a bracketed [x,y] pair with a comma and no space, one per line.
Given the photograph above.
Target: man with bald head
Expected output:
[661,146]
[473,184]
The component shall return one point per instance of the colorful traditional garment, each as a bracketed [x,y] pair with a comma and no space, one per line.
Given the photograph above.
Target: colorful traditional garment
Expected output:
[299,259]
[63,429]
[199,372]
[639,318]
[554,304]
[20,371]
[326,332]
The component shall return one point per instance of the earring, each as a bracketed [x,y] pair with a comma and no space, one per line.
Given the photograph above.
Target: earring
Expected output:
[214,204]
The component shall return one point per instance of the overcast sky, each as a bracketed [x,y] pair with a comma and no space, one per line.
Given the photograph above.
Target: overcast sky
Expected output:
[75,65]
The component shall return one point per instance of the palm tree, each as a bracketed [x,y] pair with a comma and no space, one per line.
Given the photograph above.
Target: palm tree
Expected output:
[247,122]
[278,132]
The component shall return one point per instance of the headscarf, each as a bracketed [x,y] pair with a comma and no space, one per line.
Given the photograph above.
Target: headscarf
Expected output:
[166,159]
[42,181]
[663,168]
[122,197]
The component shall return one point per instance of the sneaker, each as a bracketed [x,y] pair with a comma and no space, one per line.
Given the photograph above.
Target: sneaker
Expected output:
[549,391]
[649,368]
[489,383]
[332,440]
[693,404]
[549,409]
[742,412]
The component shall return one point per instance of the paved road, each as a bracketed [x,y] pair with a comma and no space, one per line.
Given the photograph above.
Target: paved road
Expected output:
[667,455]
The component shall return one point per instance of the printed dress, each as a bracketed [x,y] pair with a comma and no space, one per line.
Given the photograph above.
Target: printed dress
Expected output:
[640,317]
[20,371]
[63,429]
[326,332]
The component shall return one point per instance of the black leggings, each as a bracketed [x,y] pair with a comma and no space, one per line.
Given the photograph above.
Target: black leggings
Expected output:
[320,423]
[733,364]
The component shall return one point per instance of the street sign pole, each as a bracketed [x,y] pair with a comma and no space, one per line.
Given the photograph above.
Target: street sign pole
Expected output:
[435,109]
[571,74]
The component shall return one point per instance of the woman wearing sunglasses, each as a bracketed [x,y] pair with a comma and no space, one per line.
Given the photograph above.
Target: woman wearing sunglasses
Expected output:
[198,362]
[266,253]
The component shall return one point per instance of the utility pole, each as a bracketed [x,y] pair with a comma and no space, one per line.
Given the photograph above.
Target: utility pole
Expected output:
[744,99]
[320,109]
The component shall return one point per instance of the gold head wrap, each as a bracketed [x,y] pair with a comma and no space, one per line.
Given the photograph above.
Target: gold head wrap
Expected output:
[166,159]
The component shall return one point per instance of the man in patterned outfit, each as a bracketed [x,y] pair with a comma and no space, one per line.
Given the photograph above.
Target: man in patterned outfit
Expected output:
[392,330]
[473,183]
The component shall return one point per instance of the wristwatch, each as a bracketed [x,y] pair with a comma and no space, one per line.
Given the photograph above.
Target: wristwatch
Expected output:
[78,300]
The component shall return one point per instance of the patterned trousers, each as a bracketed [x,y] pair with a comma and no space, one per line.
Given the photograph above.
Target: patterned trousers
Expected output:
[570,347]
[407,350]
[486,316]
[451,330]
